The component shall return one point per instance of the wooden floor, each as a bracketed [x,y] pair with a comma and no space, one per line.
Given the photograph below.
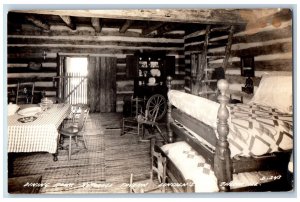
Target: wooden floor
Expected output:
[104,168]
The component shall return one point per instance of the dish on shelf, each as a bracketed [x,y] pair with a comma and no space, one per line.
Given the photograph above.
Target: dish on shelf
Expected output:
[154,64]
[143,64]
[30,111]
[151,80]
[27,119]
[155,72]
[154,84]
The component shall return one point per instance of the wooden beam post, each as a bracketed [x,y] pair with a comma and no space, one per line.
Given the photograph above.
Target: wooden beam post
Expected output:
[201,64]
[169,116]
[38,23]
[68,21]
[60,72]
[96,23]
[125,26]
[228,48]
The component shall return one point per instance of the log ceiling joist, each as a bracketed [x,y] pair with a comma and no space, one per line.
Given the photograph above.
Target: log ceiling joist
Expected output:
[203,16]
[38,23]
[152,28]
[97,25]
[125,26]
[68,20]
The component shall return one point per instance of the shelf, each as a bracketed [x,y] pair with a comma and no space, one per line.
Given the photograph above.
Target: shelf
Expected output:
[149,66]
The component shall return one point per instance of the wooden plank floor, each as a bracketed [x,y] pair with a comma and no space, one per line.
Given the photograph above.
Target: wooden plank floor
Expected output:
[104,168]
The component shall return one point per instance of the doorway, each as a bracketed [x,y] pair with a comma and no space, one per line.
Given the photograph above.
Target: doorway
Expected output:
[88,80]
[75,88]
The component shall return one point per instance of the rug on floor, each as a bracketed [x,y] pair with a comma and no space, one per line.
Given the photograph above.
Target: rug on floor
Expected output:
[68,176]
[104,168]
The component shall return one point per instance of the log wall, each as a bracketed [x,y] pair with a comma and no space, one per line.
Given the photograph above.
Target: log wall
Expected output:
[270,44]
[29,43]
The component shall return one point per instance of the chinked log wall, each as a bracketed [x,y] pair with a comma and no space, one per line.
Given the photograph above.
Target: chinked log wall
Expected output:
[29,44]
[271,46]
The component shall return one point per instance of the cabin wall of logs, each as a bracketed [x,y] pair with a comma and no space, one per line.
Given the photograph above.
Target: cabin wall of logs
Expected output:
[33,49]
[33,53]
[268,40]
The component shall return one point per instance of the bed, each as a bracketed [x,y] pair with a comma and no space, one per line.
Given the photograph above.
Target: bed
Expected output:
[230,147]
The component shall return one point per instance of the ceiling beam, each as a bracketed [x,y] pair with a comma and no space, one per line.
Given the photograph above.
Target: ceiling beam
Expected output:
[203,16]
[96,23]
[68,20]
[125,26]
[152,28]
[38,23]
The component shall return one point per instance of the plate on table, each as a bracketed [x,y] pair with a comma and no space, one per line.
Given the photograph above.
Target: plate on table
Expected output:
[27,119]
[30,111]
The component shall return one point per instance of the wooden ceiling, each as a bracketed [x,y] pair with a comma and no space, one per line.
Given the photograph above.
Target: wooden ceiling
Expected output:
[158,21]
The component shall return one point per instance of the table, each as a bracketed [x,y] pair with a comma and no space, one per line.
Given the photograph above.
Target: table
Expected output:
[41,135]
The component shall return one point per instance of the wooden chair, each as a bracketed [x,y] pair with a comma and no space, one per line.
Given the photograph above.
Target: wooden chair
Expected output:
[157,178]
[25,92]
[76,127]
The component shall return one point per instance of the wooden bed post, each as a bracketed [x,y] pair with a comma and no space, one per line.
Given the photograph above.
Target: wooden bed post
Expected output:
[222,160]
[169,117]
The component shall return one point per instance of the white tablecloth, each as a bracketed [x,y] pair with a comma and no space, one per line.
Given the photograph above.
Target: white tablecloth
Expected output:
[37,136]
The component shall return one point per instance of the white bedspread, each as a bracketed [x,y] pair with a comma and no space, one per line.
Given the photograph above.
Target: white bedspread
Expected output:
[200,108]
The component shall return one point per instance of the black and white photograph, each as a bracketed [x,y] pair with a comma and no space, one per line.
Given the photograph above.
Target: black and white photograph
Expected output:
[149,101]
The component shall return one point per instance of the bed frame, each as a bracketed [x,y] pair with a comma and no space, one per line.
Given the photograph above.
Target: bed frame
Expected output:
[224,166]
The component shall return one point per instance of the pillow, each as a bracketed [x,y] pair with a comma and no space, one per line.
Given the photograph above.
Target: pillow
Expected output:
[275,91]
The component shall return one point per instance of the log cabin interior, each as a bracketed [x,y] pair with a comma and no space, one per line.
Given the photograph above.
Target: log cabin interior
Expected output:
[149,83]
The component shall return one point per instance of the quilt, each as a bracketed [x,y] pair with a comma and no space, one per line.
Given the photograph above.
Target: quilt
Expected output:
[256,130]
[193,166]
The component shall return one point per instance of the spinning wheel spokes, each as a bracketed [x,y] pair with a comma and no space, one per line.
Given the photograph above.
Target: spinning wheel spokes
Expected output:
[156,104]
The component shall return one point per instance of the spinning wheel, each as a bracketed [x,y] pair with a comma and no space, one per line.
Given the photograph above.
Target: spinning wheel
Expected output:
[156,106]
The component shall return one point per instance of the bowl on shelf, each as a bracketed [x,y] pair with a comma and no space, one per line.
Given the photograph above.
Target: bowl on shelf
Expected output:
[154,64]
[155,72]
[151,81]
